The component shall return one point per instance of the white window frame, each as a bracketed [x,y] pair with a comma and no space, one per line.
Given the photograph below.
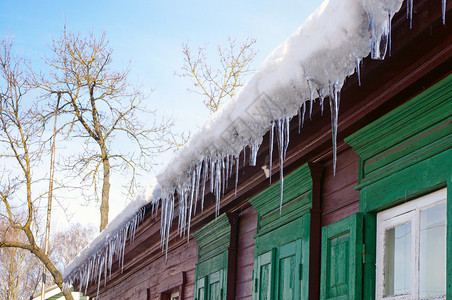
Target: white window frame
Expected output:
[399,215]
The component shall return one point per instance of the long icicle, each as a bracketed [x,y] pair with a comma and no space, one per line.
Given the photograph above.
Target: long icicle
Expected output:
[280,138]
[237,162]
[198,179]
[272,134]
[334,108]
[358,69]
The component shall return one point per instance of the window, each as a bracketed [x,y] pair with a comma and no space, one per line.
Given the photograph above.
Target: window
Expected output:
[411,249]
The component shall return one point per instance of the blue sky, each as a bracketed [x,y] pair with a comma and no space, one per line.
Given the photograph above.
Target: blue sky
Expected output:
[149,35]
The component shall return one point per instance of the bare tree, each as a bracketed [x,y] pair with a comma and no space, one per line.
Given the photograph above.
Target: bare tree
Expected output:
[21,152]
[19,270]
[66,244]
[107,114]
[219,85]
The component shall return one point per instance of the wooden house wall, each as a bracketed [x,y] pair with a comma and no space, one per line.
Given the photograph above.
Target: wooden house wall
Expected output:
[245,254]
[339,199]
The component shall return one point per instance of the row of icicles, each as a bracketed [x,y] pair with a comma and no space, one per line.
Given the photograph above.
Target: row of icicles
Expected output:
[217,172]
[101,261]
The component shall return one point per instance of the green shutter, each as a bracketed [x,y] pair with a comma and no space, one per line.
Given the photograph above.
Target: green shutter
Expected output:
[281,266]
[263,285]
[279,273]
[288,266]
[201,289]
[216,285]
[211,269]
[341,259]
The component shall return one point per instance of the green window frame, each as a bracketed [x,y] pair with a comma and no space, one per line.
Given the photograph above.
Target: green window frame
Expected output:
[211,270]
[281,264]
[404,155]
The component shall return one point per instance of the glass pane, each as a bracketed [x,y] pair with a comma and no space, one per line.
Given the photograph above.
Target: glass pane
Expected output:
[398,260]
[265,282]
[432,255]
[287,278]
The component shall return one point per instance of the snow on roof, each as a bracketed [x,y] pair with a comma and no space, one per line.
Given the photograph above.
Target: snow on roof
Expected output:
[311,64]
[110,243]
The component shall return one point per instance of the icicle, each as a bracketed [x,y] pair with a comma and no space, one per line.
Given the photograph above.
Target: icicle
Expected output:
[244,155]
[272,134]
[281,145]
[212,171]
[358,71]
[192,195]
[253,154]
[223,181]
[226,178]
[410,11]
[217,187]
[303,113]
[321,104]
[379,41]
[334,108]
[389,34]
[198,179]
[286,138]
[311,102]
[236,174]
[299,120]
[204,180]
[311,96]
[443,11]
[231,162]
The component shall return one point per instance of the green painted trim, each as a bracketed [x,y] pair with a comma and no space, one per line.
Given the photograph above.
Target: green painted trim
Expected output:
[369,255]
[296,184]
[213,231]
[351,228]
[407,184]
[297,229]
[417,130]
[216,263]
[296,201]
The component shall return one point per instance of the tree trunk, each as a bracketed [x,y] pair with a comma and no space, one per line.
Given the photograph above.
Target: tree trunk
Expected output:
[104,207]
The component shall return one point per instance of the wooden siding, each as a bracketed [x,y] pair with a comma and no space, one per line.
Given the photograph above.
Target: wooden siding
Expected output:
[158,276]
[339,198]
[245,255]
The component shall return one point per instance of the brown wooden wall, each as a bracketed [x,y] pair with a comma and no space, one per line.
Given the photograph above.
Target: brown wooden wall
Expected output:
[245,254]
[339,198]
